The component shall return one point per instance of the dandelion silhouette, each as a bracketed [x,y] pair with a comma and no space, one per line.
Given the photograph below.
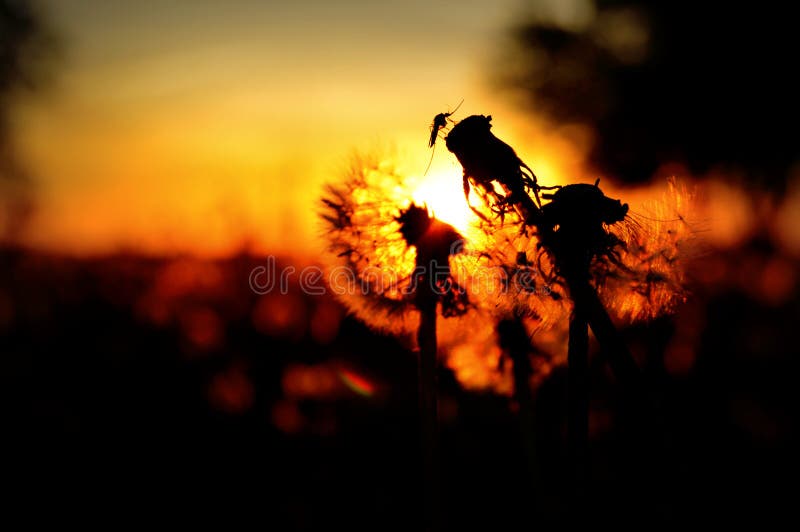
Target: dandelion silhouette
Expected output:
[637,268]
[647,276]
[643,278]
[429,288]
[505,268]
[366,247]
[571,239]
[537,258]
[371,264]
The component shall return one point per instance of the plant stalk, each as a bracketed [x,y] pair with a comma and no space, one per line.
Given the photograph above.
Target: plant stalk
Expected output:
[578,405]
[428,406]
[515,341]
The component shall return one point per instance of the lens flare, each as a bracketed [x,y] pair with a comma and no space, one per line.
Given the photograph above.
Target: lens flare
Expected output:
[357,383]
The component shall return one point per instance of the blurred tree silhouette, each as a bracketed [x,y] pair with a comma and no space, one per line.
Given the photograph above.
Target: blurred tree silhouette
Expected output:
[25,45]
[703,84]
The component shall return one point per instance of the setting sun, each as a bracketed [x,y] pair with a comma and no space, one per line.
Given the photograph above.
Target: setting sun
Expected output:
[441,191]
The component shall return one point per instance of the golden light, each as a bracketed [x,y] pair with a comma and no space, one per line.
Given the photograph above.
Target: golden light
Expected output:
[442,192]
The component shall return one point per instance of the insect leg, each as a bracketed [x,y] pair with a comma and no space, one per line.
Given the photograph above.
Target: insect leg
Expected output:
[430,160]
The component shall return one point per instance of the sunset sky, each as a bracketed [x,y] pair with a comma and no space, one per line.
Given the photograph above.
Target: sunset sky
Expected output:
[205,126]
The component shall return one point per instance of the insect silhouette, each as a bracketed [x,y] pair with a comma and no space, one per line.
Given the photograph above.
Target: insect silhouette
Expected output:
[487,159]
[439,122]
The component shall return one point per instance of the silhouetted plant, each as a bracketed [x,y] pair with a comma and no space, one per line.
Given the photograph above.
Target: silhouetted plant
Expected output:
[27,46]
[364,227]
[569,241]
[656,89]
[538,257]
[364,232]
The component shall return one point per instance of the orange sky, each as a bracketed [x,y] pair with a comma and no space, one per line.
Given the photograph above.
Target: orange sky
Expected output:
[202,126]
[197,127]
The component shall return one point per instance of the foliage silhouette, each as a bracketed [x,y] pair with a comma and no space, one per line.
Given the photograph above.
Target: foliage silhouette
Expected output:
[700,84]
[26,47]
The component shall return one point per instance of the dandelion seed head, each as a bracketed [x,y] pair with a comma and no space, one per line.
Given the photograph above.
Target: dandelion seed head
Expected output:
[648,277]
[372,228]
[369,262]
[640,272]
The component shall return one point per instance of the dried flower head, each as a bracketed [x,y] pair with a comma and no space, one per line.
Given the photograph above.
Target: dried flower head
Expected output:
[636,257]
[377,240]
[647,277]
[370,264]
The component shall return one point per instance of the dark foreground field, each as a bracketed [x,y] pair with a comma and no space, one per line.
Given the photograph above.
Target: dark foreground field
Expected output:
[143,384]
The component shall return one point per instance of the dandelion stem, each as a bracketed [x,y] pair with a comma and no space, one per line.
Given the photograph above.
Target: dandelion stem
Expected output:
[429,420]
[434,241]
[515,341]
[578,403]
[611,343]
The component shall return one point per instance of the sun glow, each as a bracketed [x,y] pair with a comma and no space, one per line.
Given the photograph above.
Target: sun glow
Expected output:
[442,192]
